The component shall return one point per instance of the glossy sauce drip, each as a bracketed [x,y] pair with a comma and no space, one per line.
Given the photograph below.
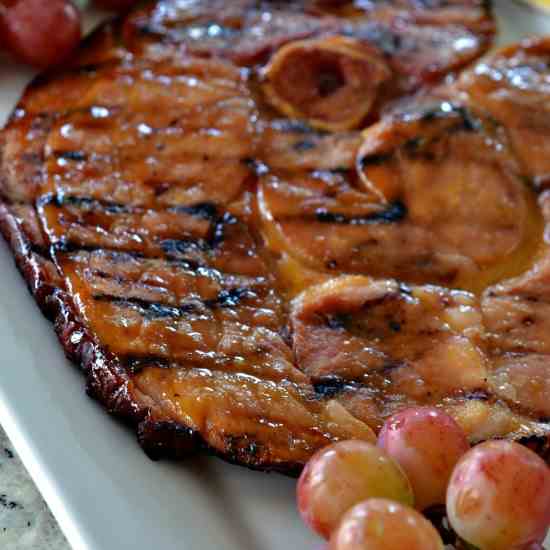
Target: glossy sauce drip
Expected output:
[294,277]
[520,260]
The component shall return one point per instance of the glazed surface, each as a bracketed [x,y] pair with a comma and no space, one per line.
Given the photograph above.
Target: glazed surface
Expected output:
[256,260]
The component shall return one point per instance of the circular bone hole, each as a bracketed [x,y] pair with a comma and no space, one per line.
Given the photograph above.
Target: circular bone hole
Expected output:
[332,82]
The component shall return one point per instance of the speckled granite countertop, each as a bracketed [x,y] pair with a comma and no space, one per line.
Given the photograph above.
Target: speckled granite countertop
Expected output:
[25,520]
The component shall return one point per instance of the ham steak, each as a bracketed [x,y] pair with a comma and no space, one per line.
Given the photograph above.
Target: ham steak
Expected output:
[252,260]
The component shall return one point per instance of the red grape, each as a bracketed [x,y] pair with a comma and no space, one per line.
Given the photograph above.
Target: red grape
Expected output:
[343,474]
[379,524]
[499,496]
[427,443]
[39,32]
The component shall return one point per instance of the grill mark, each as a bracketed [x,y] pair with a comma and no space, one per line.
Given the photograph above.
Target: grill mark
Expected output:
[62,200]
[446,110]
[214,363]
[231,298]
[329,387]
[190,266]
[304,145]
[204,210]
[228,297]
[175,247]
[136,363]
[172,248]
[64,247]
[396,212]
[468,123]
[351,323]
[151,310]
[478,395]
[77,156]
[116,257]
[296,127]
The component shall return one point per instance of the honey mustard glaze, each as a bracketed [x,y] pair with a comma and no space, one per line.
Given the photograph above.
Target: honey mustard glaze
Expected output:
[296,275]
[522,258]
[273,271]
[434,196]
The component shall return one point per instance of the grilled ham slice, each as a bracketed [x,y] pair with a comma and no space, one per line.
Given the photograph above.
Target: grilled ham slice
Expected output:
[407,344]
[513,85]
[341,48]
[406,212]
[191,244]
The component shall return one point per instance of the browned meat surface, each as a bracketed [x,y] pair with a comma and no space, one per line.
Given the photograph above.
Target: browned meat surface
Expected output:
[204,228]
[293,146]
[339,49]
[405,345]
[513,86]
[359,329]
[421,175]
[473,13]
[516,313]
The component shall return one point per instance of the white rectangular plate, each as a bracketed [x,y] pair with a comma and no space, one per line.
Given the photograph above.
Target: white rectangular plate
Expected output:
[100,486]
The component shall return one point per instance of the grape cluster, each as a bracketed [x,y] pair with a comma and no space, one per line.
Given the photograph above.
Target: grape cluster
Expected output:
[363,496]
[43,33]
